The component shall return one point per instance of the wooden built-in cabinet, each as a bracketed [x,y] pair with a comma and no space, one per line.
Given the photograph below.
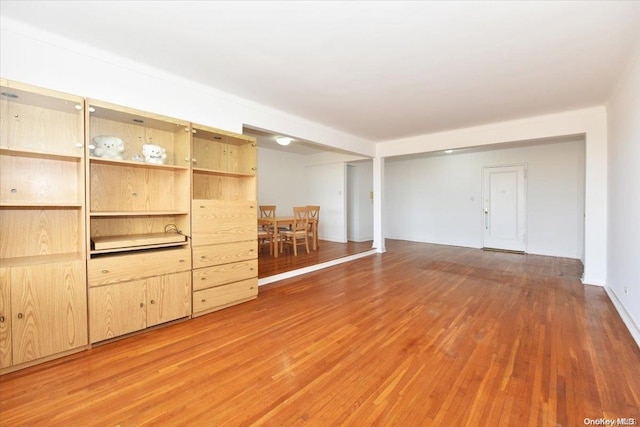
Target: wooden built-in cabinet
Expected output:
[224,217]
[43,305]
[139,220]
[93,247]
[131,306]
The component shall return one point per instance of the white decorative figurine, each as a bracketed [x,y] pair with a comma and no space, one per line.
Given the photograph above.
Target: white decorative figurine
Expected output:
[108,147]
[154,153]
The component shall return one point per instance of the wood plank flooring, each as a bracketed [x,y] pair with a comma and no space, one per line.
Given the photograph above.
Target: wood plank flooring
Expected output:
[327,251]
[423,335]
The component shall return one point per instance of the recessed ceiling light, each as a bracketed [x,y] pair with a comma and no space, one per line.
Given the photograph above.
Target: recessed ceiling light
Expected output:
[283,140]
[448,151]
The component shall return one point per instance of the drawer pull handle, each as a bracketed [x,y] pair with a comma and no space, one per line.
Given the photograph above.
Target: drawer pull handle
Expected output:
[203,300]
[14,191]
[203,278]
[105,271]
[141,304]
[181,260]
[1,319]
[20,315]
[153,302]
[203,257]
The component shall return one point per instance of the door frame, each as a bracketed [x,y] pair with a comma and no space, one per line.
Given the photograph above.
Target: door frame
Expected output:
[525,211]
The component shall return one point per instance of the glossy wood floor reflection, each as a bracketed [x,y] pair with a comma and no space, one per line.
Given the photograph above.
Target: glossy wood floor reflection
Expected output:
[327,251]
[423,335]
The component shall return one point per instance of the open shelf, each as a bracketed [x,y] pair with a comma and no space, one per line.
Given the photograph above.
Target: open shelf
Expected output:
[136,240]
[41,204]
[137,248]
[41,259]
[41,155]
[221,172]
[136,213]
[131,163]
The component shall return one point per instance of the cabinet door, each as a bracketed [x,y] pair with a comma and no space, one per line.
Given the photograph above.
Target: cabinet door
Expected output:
[216,156]
[117,309]
[48,304]
[5,318]
[242,159]
[169,297]
[47,123]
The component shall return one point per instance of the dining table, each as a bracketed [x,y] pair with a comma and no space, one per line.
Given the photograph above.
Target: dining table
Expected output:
[287,221]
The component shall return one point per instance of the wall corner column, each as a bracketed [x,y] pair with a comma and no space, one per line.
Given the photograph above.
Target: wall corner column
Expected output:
[378,203]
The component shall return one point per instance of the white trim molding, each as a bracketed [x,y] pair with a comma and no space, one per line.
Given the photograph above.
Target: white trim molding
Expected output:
[311,268]
[633,328]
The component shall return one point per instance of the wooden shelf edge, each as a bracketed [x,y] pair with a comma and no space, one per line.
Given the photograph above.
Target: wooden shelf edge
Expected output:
[41,259]
[131,163]
[223,173]
[38,205]
[125,242]
[138,248]
[41,155]
[95,214]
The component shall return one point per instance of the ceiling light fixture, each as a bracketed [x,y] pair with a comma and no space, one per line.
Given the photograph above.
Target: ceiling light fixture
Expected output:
[283,140]
[448,151]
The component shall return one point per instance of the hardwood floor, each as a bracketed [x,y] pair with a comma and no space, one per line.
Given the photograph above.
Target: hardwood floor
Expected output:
[327,251]
[421,335]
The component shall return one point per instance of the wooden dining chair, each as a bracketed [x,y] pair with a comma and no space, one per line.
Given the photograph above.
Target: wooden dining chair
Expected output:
[265,232]
[314,223]
[299,232]
[265,235]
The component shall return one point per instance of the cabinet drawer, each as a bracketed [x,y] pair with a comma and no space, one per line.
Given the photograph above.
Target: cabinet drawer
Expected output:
[225,295]
[208,277]
[122,268]
[223,221]
[206,256]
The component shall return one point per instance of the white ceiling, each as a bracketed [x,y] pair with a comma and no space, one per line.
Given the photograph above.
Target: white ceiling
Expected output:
[379,70]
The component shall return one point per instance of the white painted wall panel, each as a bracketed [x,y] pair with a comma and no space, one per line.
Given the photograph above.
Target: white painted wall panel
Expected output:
[438,199]
[326,187]
[624,199]
[281,180]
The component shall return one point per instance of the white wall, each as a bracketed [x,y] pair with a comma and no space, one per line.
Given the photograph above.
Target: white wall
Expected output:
[590,122]
[624,200]
[359,202]
[281,180]
[438,199]
[326,187]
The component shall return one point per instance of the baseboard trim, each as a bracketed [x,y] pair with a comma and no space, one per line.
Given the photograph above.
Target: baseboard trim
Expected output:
[634,330]
[592,281]
[311,268]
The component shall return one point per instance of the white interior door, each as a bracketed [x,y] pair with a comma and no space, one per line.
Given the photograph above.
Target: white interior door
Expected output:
[504,210]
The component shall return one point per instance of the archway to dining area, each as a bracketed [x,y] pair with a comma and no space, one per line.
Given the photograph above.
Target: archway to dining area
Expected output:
[303,173]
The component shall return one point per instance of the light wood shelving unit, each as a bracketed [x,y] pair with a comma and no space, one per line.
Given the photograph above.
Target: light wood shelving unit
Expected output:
[139,256]
[94,248]
[43,304]
[224,217]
